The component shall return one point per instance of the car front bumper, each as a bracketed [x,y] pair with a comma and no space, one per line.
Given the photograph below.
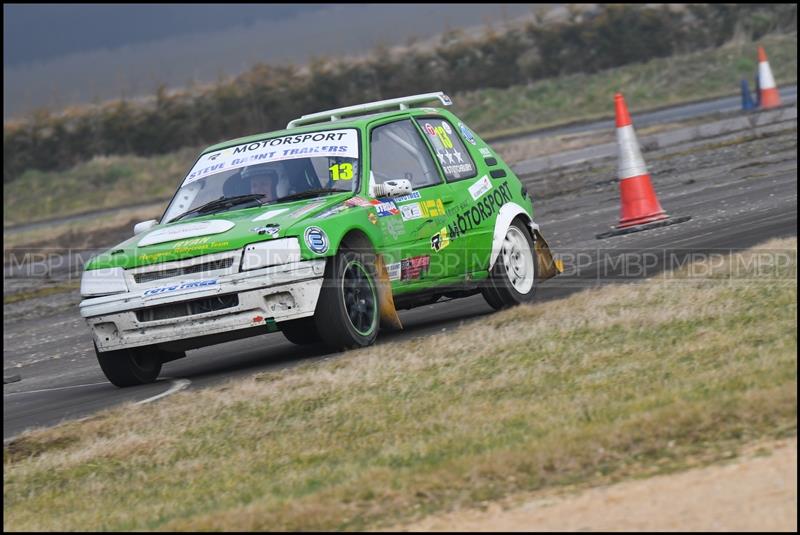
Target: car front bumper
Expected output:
[263,297]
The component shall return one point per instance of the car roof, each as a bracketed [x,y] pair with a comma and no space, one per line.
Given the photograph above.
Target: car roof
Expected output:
[359,121]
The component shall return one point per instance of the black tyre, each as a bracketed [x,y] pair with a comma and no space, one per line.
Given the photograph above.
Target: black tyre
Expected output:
[301,332]
[130,367]
[347,310]
[512,280]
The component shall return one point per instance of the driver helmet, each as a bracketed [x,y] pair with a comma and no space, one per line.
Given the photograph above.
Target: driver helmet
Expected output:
[262,179]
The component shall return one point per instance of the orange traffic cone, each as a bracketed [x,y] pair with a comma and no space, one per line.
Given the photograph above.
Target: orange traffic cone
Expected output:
[639,203]
[770,97]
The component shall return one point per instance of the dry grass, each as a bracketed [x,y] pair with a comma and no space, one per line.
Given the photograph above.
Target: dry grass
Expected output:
[103,182]
[617,382]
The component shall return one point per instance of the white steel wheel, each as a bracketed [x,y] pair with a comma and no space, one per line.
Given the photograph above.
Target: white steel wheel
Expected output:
[517,257]
[512,279]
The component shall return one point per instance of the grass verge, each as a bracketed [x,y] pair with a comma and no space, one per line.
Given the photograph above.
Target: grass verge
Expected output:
[103,182]
[610,383]
[104,230]
[125,180]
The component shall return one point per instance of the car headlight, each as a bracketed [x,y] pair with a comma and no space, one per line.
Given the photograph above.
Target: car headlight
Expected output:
[271,253]
[97,282]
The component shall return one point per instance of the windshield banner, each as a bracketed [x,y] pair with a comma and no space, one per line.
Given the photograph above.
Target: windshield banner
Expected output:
[342,143]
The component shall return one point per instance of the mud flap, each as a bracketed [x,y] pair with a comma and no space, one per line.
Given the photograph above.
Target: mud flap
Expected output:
[546,266]
[389,318]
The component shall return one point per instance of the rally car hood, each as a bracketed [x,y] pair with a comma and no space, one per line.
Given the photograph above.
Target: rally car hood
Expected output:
[214,233]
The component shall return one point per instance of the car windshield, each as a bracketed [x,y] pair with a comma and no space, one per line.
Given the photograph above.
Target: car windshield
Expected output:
[268,171]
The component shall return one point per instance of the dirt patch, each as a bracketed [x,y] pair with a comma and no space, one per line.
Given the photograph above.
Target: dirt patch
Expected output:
[753,493]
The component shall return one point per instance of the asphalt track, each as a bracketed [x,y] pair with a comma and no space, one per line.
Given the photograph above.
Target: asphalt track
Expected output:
[736,199]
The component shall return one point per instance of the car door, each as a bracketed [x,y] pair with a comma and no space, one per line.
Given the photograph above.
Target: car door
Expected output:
[412,223]
[467,225]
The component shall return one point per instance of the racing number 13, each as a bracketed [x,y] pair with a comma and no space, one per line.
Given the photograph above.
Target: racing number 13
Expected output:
[341,171]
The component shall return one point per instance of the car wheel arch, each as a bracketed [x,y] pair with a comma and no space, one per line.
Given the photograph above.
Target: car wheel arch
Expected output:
[508,213]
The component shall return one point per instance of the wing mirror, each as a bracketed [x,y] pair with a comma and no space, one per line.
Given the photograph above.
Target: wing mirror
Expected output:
[393,188]
[138,228]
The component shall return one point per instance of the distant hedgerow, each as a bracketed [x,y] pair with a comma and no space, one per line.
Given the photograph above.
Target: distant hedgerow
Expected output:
[266,97]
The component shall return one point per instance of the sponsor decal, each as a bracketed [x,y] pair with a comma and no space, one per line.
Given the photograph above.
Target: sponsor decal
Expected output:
[357,201]
[303,210]
[270,213]
[186,230]
[432,208]
[451,157]
[372,218]
[185,285]
[481,186]
[272,229]
[476,213]
[446,141]
[440,240]
[186,244]
[147,258]
[394,271]
[414,267]
[393,227]
[410,211]
[316,240]
[486,152]
[429,129]
[334,143]
[333,211]
[416,210]
[453,162]
[466,133]
[458,169]
[385,208]
[410,197]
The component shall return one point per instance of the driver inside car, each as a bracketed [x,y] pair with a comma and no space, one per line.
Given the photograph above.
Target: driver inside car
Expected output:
[263,180]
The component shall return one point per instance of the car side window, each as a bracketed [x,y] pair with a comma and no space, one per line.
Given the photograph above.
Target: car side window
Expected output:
[397,151]
[456,162]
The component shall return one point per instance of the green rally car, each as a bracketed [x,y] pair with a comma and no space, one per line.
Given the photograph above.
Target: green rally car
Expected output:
[321,231]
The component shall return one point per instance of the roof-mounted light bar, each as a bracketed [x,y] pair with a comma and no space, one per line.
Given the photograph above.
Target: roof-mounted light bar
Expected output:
[403,103]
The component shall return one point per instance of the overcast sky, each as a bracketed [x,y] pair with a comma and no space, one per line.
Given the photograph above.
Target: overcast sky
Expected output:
[55,55]
[35,32]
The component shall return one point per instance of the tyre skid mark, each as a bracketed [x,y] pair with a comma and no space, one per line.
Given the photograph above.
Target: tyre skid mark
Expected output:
[177,386]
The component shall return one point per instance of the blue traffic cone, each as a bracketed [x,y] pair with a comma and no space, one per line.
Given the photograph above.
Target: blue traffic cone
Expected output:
[747,99]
